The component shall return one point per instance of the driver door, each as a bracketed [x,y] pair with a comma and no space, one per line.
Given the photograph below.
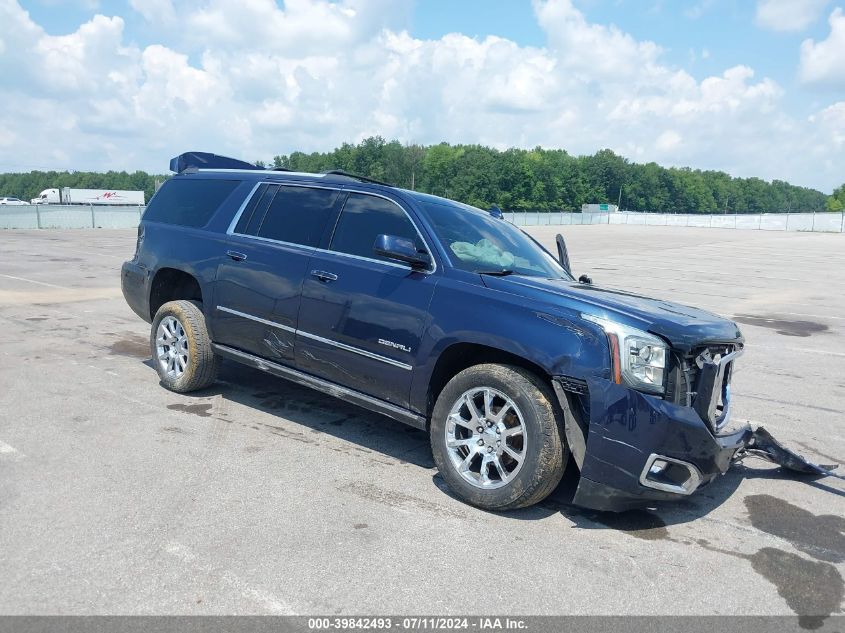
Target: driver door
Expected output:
[362,316]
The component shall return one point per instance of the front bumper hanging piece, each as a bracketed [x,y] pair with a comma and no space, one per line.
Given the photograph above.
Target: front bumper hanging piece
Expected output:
[762,444]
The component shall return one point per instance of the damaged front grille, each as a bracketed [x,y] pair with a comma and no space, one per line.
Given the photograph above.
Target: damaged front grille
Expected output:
[702,380]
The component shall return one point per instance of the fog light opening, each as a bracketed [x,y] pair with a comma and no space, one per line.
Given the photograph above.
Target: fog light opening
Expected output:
[658,467]
[670,475]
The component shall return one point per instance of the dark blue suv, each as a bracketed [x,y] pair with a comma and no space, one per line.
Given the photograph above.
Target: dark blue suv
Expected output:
[441,316]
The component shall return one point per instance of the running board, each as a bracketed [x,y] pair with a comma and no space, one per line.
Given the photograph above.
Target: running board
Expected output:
[350,395]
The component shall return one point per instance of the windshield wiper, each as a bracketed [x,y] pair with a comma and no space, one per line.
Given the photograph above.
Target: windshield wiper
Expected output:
[496,273]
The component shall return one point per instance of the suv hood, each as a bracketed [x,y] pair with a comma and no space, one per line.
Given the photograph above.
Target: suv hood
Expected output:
[683,326]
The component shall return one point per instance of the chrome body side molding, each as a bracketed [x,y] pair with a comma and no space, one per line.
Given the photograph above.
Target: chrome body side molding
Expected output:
[314,337]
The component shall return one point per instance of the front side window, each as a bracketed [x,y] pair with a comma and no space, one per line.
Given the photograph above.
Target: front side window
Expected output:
[478,242]
[363,219]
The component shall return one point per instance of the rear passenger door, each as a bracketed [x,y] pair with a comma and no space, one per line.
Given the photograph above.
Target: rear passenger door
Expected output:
[259,278]
[362,315]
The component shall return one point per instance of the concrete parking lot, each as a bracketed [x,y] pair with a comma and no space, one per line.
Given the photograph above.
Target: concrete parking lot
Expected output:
[258,496]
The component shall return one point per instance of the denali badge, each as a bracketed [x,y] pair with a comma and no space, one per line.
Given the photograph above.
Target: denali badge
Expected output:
[404,348]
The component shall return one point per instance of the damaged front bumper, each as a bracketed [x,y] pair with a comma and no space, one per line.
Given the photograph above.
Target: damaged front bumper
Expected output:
[634,449]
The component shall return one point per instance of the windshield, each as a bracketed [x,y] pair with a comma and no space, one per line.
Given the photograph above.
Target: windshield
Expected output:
[478,242]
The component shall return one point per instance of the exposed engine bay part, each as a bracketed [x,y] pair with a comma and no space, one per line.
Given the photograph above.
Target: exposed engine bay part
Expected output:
[714,370]
[762,444]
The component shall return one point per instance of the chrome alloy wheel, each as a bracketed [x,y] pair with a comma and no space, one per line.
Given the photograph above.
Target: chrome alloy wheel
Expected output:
[486,438]
[172,347]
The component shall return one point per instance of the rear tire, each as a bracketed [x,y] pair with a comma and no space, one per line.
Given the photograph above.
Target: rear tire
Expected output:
[497,437]
[181,347]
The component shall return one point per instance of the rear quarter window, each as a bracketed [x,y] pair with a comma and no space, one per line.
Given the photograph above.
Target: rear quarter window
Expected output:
[189,202]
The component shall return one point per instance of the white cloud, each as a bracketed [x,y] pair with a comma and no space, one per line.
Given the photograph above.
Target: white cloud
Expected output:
[155,11]
[699,9]
[301,28]
[7,137]
[668,141]
[253,80]
[832,121]
[73,61]
[788,15]
[824,62]
[592,51]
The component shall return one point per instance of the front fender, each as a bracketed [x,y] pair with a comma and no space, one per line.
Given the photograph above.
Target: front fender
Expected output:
[549,336]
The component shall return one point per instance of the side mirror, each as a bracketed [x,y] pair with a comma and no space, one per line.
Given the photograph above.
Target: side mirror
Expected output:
[401,249]
[562,253]
[496,212]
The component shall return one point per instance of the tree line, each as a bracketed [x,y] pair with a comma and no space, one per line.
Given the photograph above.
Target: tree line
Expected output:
[553,180]
[28,185]
[836,202]
[515,179]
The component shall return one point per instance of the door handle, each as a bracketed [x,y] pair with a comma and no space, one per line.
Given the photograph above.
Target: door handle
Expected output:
[322,275]
[238,257]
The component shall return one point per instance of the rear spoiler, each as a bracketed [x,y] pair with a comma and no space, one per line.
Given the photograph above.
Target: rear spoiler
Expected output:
[205,160]
[191,161]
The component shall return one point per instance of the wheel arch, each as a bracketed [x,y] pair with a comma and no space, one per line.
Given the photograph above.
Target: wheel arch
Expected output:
[459,356]
[172,284]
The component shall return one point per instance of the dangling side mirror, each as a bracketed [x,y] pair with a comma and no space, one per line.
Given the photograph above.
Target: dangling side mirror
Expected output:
[562,253]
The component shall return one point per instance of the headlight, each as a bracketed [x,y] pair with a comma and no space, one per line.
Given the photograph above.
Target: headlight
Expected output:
[637,358]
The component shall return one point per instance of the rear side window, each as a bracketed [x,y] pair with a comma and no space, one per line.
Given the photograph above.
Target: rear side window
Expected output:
[188,202]
[363,219]
[298,215]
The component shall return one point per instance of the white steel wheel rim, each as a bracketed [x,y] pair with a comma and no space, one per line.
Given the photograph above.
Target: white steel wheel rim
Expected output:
[172,347]
[486,439]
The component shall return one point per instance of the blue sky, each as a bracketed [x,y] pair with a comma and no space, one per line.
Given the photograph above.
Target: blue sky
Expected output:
[752,87]
[725,29]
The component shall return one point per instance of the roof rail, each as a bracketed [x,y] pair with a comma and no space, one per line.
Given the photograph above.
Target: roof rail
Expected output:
[346,174]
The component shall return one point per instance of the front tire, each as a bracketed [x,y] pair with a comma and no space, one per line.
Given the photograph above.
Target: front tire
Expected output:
[497,437]
[181,347]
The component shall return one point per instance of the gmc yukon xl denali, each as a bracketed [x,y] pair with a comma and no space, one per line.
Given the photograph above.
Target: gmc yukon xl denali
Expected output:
[444,317]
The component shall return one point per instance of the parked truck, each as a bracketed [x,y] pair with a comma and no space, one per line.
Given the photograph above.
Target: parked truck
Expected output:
[112,197]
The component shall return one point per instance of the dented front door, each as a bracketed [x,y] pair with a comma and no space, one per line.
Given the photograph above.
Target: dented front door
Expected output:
[257,295]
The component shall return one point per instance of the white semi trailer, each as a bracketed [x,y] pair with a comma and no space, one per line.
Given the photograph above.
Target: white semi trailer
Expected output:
[112,197]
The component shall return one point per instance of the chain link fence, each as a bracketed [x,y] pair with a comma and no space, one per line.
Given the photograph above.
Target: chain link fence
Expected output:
[819,222]
[70,216]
